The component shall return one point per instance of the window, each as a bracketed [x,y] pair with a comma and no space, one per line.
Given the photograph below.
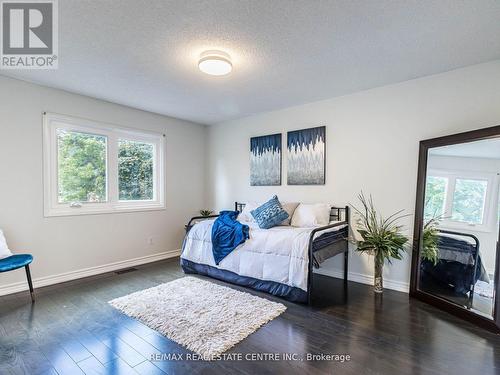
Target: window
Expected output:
[97,168]
[135,170]
[469,199]
[81,167]
[458,199]
[435,196]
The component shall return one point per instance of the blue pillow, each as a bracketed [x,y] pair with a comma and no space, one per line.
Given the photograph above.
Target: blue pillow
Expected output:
[269,214]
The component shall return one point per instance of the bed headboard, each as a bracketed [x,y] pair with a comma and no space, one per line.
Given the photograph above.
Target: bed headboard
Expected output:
[336,213]
[239,206]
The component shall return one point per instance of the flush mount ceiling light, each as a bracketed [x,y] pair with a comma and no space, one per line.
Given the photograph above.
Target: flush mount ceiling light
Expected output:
[215,63]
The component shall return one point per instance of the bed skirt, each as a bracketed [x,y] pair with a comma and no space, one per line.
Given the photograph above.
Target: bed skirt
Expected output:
[287,292]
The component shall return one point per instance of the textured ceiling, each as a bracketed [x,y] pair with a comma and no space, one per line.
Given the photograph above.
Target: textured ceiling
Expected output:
[143,53]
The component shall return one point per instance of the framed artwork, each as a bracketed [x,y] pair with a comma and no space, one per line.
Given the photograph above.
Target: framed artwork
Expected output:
[265,160]
[306,156]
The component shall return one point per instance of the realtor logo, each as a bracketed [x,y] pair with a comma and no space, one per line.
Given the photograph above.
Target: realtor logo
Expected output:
[29,34]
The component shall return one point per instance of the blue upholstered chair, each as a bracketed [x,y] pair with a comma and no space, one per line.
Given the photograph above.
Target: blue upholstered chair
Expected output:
[17,261]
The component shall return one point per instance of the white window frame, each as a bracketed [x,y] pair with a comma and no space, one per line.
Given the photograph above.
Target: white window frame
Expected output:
[452,176]
[52,207]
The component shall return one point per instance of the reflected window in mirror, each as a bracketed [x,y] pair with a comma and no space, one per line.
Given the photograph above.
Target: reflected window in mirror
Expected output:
[460,199]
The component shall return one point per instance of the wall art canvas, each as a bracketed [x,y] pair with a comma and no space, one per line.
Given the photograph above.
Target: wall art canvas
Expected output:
[265,160]
[306,156]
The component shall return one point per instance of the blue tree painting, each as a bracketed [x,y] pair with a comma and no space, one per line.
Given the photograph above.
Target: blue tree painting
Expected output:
[265,160]
[306,156]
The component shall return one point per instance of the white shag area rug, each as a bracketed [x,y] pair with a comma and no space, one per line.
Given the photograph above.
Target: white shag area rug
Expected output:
[204,317]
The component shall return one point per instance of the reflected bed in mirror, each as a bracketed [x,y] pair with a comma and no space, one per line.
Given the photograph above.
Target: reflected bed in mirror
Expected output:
[457,225]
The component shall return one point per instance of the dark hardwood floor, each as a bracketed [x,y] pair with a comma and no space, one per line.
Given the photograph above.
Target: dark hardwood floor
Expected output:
[72,330]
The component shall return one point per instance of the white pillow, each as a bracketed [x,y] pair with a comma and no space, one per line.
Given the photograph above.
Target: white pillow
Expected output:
[4,249]
[246,215]
[311,215]
[289,207]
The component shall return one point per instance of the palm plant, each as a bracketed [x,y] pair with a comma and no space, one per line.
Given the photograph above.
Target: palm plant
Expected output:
[381,237]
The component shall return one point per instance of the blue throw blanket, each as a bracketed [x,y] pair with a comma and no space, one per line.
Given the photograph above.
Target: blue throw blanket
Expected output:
[227,234]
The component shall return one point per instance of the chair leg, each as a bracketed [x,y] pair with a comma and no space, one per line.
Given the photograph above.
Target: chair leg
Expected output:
[30,283]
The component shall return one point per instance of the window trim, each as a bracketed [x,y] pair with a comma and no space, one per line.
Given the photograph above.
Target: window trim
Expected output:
[52,207]
[452,176]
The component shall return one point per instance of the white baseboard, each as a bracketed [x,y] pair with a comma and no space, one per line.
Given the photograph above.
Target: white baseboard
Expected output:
[85,272]
[400,286]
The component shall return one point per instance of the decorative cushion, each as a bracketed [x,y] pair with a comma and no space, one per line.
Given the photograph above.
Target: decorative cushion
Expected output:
[311,215]
[14,262]
[270,213]
[289,207]
[4,249]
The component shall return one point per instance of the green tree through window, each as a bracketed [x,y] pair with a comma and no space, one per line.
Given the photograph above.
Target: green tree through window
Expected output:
[435,196]
[468,200]
[81,167]
[135,170]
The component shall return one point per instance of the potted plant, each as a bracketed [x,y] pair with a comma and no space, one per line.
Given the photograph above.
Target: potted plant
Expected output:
[206,213]
[381,237]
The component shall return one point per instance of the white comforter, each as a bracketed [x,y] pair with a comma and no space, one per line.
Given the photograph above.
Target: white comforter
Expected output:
[278,254]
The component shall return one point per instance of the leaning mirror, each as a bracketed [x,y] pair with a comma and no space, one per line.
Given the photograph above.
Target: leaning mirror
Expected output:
[455,260]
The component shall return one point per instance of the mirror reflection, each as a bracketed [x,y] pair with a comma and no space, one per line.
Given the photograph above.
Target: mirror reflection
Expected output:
[461,224]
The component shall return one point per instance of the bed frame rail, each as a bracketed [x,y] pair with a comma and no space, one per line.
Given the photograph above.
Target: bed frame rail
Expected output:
[476,260]
[341,215]
[196,219]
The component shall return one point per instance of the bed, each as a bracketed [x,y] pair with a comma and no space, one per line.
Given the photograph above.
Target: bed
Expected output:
[279,261]
[459,264]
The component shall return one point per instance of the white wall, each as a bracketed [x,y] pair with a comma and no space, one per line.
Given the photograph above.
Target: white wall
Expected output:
[66,244]
[372,145]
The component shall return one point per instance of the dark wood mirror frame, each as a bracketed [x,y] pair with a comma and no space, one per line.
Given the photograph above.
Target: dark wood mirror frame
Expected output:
[441,303]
